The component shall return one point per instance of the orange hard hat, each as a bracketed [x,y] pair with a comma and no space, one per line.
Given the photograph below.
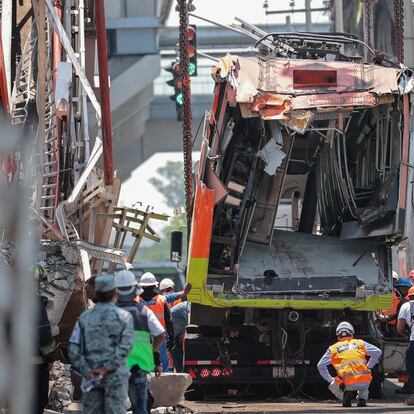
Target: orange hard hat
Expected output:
[411,291]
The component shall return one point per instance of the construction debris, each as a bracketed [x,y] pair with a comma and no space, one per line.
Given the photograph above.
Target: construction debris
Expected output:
[168,389]
[61,391]
[60,264]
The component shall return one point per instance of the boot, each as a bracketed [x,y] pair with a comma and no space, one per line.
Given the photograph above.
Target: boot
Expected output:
[362,403]
[348,397]
[410,401]
[406,389]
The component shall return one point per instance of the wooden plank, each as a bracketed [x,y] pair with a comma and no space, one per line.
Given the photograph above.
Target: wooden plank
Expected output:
[136,232]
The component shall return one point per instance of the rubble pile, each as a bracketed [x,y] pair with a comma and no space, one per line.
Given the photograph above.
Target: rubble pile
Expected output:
[60,264]
[61,391]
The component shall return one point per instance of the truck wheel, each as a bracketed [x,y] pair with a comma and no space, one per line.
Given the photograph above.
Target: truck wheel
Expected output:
[376,387]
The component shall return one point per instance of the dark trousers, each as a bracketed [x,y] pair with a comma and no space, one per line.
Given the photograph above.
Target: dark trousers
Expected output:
[409,362]
[178,353]
[138,391]
[41,395]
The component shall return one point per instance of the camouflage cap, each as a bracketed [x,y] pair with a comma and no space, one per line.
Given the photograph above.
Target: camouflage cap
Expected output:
[104,283]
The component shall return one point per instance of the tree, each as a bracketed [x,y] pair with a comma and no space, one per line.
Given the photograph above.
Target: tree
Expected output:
[171,186]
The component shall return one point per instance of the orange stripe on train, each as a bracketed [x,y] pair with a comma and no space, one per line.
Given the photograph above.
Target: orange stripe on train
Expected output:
[201,226]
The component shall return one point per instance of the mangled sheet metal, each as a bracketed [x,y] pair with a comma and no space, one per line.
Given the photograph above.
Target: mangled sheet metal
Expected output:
[290,89]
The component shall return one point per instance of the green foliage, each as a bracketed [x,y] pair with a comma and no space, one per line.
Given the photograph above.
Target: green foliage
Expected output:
[171,185]
[160,252]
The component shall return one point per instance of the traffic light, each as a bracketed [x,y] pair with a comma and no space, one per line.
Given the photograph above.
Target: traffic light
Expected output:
[192,49]
[176,83]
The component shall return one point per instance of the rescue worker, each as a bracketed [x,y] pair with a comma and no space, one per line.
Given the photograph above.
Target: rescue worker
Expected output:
[406,320]
[395,277]
[45,352]
[179,316]
[90,289]
[402,285]
[158,304]
[348,357]
[148,336]
[167,287]
[411,277]
[98,348]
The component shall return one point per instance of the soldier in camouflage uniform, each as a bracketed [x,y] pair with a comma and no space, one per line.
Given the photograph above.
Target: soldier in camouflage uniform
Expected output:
[99,345]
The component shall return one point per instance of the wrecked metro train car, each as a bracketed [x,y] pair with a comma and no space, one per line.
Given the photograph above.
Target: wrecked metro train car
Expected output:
[332,134]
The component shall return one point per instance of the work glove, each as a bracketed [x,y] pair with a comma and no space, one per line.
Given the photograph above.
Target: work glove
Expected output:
[170,344]
[338,381]
[187,288]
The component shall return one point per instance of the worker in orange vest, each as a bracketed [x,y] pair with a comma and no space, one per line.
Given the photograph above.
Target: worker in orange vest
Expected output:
[402,285]
[399,297]
[405,327]
[349,358]
[154,300]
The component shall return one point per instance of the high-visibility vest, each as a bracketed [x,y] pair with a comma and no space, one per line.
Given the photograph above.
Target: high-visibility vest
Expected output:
[141,353]
[396,299]
[348,357]
[156,304]
[176,302]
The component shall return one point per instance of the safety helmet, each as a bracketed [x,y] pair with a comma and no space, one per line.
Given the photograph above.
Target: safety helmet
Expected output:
[395,275]
[166,284]
[403,282]
[345,329]
[125,279]
[148,279]
[411,274]
[411,291]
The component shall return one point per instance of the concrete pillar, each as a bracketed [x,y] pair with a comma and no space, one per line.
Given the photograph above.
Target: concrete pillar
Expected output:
[408,34]
[339,16]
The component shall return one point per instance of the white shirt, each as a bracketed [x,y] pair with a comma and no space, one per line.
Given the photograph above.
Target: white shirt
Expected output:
[407,313]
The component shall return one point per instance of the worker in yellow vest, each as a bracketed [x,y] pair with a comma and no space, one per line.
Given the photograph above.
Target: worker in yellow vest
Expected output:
[349,358]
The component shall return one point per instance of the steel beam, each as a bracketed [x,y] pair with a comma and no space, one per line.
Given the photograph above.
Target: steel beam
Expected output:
[104,91]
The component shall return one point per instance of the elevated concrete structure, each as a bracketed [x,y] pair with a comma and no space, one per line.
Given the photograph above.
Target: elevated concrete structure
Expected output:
[143,117]
[134,64]
[163,132]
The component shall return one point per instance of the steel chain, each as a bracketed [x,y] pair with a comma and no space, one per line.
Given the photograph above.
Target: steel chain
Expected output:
[187,117]
[369,24]
[399,29]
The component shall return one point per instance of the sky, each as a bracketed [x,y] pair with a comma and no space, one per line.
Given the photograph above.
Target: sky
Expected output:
[221,11]
[147,194]
[252,11]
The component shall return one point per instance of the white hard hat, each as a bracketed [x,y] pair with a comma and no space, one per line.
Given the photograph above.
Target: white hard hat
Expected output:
[148,279]
[345,329]
[395,275]
[124,279]
[166,284]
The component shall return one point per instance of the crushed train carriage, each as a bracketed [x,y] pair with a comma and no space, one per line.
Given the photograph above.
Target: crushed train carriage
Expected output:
[303,122]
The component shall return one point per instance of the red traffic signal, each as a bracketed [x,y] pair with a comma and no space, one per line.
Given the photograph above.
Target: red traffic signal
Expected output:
[192,49]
